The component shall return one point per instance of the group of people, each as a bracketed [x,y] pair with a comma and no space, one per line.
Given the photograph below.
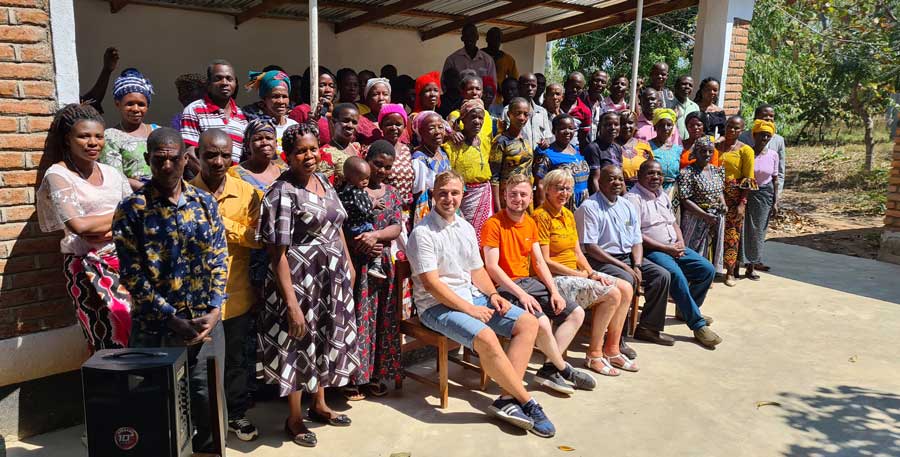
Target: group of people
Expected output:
[268,235]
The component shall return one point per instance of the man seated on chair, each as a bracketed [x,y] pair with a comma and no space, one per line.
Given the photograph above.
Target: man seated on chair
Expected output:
[454,296]
[610,232]
[511,252]
[691,274]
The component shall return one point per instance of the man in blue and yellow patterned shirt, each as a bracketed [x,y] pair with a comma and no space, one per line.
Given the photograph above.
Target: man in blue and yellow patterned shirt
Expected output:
[172,252]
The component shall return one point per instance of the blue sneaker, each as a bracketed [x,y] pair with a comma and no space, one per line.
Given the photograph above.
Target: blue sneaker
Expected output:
[510,411]
[542,425]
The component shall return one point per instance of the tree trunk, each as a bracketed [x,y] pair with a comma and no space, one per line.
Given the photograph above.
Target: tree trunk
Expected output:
[870,140]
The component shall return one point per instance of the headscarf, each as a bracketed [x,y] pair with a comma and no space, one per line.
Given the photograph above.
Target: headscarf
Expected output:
[260,124]
[422,81]
[704,141]
[469,105]
[392,108]
[760,125]
[488,81]
[131,81]
[372,82]
[266,81]
[419,122]
[664,113]
[187,83]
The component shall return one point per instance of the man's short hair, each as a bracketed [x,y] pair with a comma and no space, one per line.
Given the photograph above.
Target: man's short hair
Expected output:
[164,136]
[515,180]
[214,135]
[645,167]
[759,109]
[444,177]
[557,177]
[209,68]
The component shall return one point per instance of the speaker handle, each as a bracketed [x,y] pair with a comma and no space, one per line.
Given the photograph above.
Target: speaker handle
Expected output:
[121,355]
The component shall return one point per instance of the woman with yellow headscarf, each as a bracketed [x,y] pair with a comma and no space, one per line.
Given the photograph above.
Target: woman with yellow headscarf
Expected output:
[666,151]
[762,203]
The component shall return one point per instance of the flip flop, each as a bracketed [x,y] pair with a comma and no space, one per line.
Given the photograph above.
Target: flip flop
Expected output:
[341,420]
[376,389]
[352,393]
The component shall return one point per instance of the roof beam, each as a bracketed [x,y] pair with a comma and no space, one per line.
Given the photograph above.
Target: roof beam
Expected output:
[375,14]
[654,10]
[256,10]
[598,13]
[571,7]
[116,5]
[412,12]
[504,10]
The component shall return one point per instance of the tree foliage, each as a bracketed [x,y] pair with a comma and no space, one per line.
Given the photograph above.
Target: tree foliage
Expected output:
[611,49]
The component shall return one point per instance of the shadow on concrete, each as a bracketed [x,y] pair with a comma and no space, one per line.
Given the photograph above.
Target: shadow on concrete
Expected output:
[861,242]
[844,420]
[868,278]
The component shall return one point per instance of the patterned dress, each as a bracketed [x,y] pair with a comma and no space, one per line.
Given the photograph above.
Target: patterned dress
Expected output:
[376,311]
[510,156]
[426,168]
[309,226]
[402,175]
[550,159]
[703,187]
[125,153]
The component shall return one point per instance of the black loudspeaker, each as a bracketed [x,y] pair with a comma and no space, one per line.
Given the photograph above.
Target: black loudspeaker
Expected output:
[137,403]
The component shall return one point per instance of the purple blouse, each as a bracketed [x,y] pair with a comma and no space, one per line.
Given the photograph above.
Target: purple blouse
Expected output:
[765,167]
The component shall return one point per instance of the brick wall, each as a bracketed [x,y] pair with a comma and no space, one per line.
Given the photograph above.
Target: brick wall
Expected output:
[32,293]
[890,240]
[734,82]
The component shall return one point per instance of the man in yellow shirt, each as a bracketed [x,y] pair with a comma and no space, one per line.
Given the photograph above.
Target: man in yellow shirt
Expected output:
[503,62]
[239,205]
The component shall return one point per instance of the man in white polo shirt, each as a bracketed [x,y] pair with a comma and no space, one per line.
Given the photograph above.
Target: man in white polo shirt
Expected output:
[455,296]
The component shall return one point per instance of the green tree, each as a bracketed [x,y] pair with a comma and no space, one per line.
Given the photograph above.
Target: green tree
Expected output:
[664,38]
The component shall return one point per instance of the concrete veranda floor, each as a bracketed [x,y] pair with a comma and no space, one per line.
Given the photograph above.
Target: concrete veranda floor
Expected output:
[819,336]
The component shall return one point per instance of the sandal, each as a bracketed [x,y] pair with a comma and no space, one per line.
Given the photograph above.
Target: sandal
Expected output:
[352,393]
[606,369]
[305,438]
[751,276]
[341,420]
[376,389]
[626,363]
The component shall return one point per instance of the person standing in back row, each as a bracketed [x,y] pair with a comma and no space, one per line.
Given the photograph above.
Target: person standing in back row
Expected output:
[469,57]
[504,63]
[216,110]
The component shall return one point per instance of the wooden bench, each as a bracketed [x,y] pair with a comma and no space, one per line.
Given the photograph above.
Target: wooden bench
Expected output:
[423,337]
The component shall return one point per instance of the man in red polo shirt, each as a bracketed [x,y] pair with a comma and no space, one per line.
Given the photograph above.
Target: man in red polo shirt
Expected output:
[216,110]
[509,240]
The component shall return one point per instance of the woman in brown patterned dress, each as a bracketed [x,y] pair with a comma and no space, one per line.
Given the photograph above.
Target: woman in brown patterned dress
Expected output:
[308,327]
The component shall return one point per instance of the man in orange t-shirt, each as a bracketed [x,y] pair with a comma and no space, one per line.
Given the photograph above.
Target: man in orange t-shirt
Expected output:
[509,240]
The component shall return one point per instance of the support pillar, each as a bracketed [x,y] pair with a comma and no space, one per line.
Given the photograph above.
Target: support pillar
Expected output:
[890,239]
[720,51]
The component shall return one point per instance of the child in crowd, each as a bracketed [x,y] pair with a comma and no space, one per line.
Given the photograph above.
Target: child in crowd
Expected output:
[360,208]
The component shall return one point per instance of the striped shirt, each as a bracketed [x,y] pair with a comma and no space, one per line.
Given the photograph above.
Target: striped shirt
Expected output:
[202,115]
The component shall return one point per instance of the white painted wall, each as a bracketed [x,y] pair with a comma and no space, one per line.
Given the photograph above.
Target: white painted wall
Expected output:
[712,51]
[62,31]
[164,43]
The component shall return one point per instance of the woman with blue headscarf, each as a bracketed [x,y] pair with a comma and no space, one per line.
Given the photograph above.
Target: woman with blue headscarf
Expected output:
[126,143]
[274,105]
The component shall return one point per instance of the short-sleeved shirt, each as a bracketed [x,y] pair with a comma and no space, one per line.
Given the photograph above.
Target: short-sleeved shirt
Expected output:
[559,232]
[656,215]
[614,226]
[202,115]
[510,156]
[125,152]
[776,144]
[739,165]
[483,63]
[64,195]
[515,240]
[536,128]
[599,155]
[552,158]
[472,162]
[451,249]
[765,167]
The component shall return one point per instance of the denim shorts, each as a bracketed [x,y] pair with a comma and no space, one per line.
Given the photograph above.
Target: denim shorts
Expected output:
[462,328]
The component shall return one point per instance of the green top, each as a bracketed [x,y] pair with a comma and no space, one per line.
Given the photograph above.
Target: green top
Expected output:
[126,153]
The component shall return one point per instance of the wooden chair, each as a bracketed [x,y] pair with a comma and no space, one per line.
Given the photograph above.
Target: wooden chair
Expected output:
[424,337]
[630,322]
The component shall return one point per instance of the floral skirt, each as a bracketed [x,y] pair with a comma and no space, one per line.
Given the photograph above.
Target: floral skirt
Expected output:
[583,291]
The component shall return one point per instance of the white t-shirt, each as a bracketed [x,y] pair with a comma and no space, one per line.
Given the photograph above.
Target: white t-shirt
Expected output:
[279,132]
[64,195]
[451,248]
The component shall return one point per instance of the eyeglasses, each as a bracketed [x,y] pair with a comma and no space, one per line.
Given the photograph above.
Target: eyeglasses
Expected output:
[565,189]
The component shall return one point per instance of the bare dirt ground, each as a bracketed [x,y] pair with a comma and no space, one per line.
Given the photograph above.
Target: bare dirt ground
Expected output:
[830,203]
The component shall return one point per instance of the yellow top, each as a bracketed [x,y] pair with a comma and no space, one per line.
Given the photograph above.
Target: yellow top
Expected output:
[630,166]
[560,233]
[239,205]
[486,134]
[738,164]
[506,68]
[473,163]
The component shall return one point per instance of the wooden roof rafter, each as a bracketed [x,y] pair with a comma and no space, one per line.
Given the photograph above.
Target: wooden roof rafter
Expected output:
[654,10]
[378,13]
[597,14]
[493,13]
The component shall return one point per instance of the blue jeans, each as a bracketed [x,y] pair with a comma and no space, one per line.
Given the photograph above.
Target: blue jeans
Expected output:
[691,276]
[463,328]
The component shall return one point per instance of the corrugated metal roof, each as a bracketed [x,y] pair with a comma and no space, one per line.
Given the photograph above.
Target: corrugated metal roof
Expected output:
[337,11]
